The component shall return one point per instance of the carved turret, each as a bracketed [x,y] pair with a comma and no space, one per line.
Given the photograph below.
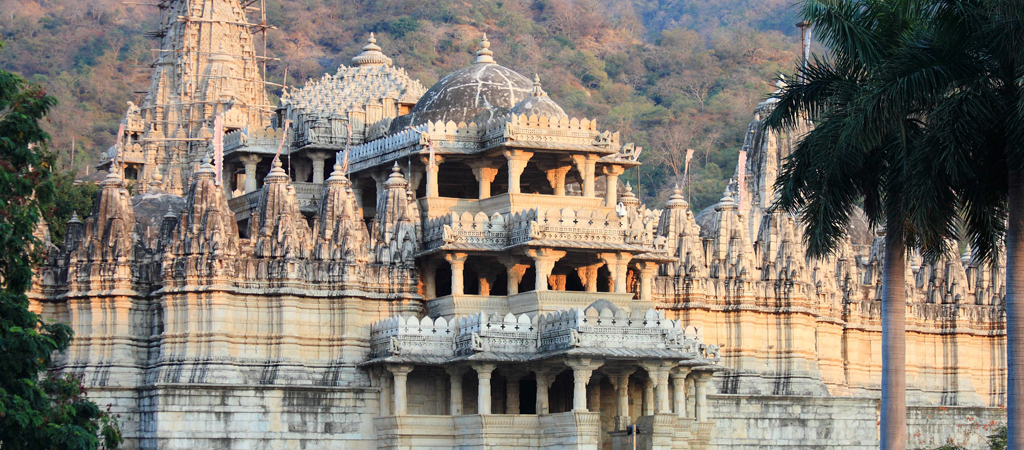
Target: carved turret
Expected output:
[683,241]
[395,229]
[338,233]
[207,226]
[730,253]
[108,230]
[277,225]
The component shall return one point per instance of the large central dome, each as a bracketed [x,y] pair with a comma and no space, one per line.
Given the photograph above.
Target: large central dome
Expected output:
[476,93]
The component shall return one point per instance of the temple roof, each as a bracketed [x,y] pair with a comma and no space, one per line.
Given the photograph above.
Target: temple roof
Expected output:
[478,93]
[370,79]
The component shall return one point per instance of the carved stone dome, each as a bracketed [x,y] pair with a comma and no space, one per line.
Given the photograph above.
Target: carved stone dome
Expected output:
[477,93]
[538,104]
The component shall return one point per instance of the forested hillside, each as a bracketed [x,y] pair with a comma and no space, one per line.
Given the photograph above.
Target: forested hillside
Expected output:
[669,74]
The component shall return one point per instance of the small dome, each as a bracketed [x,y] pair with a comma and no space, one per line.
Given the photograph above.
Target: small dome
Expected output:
[477,93]
[538,103]
[371,55]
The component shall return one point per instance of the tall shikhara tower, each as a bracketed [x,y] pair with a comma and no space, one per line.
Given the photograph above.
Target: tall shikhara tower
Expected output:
[207,65]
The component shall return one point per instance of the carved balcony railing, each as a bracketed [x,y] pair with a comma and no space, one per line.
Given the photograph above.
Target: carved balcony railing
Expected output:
[594,228]
[596,329]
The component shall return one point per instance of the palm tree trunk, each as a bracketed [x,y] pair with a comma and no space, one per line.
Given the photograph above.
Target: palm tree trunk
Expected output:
[894,345]
[1015,313]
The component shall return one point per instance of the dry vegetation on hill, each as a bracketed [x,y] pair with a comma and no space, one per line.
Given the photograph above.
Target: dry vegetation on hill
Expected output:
[669,74]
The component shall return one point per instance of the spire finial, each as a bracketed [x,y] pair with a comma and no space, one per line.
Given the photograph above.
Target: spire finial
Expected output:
[371,55]
[538,91]
[483,56]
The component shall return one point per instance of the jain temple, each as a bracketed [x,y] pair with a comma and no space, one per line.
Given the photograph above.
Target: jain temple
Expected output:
[460,267]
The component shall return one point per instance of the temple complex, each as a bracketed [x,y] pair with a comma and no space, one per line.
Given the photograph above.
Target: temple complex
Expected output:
[373,264]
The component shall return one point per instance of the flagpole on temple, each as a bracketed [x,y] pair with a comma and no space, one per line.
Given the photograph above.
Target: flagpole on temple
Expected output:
[686,173]
[218,148]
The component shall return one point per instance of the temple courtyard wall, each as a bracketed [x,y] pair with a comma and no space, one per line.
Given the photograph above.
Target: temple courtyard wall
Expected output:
[225,417]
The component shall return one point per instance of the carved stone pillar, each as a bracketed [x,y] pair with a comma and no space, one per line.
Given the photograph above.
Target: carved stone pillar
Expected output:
[544,380]
[455,400]
[588,275]
[679,390]
[430,278]
[647,269]
[544,261]
[401,375]
[250,162]
[582,370]
[458,262]
[556,176]
[517,160]
[700,379]
[483,396]
[318,159]
[611,182]
[649,397]
[585,164]
[484,173]
[691,400]
[385,393]
[617,266]
[432,190]
[514,269]
[621,382]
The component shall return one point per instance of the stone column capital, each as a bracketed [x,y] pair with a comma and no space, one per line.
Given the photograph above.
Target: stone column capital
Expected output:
[645,267]
[455,371]
[484,370]
[611,169]
[317,155]
[545,254]
[517,155]
[400,370]
[454,258]
[679,374]
[250,158]
[438,160]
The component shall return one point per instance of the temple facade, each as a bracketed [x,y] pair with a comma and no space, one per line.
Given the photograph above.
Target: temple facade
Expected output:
[373,264]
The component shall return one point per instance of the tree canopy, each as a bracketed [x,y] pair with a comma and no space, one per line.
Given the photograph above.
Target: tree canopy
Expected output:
[52,412]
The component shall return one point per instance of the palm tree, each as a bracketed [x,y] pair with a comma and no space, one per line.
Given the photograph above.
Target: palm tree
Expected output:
[966,69]
[863,149]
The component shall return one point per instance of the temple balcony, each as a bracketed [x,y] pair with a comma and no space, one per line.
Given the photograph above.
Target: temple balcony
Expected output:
[504,204]
[572,378]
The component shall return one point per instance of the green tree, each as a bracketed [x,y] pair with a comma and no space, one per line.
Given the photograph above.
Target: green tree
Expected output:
[864,148]
[52,413]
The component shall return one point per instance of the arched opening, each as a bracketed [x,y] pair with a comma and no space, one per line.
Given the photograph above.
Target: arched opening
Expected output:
[604,280]
[560,395]
[528,395]
[534,180]
[500,285]
[470,280]
[443,280]
[500,184]
[456,180]
[566,278]
[529,280]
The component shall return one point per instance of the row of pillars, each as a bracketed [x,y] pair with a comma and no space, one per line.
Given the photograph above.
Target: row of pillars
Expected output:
[486,170]
[661,377]
[318,160]
[544,260]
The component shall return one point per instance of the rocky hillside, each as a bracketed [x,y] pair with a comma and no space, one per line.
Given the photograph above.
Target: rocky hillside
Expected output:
[669,74]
